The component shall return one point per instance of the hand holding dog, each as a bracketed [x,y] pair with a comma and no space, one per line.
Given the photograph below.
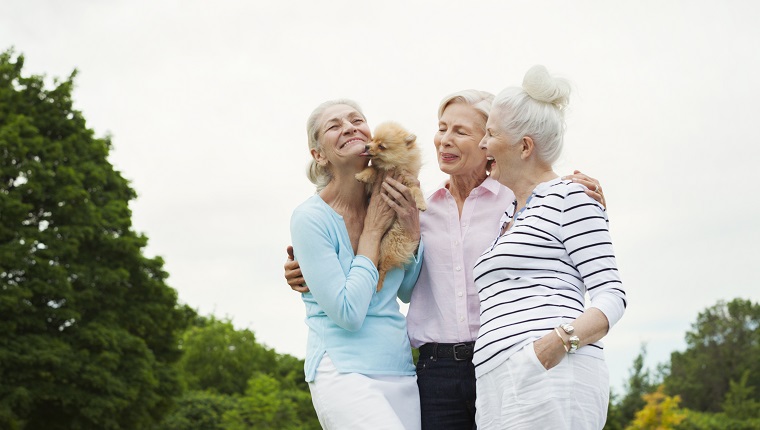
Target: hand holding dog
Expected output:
[380,215]
[400,198]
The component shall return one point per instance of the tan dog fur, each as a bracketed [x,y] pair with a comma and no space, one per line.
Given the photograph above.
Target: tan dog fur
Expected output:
[394,148]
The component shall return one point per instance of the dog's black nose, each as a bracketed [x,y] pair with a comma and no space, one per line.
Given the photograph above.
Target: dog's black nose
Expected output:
[366,148]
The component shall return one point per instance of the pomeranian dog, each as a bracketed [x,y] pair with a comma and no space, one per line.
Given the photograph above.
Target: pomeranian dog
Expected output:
[394,148]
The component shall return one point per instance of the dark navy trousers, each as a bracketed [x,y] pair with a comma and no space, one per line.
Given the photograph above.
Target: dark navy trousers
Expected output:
[447,393]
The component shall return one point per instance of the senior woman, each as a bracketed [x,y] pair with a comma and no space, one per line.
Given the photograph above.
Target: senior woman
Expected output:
[463,212]
[538,359]
[358,364]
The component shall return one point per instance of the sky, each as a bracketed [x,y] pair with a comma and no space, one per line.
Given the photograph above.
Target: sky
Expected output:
[206,103]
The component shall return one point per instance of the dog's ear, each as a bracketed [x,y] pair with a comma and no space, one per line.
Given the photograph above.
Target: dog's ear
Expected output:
[410,139]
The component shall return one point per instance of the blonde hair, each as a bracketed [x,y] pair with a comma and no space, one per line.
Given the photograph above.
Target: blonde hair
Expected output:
[321,175]
[537,110]
[479,100]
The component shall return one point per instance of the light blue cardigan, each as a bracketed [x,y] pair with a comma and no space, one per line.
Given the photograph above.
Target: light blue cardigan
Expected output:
[362,331]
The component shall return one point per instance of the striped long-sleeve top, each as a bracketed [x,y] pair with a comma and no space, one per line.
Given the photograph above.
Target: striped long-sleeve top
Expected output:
[535,276]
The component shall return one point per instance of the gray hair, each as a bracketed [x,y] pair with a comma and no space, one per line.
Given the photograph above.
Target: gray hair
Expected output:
[321,175]
[480,100]
[537,110]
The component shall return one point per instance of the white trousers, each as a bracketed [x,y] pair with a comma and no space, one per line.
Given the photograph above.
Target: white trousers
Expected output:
[522,394]
[347,401]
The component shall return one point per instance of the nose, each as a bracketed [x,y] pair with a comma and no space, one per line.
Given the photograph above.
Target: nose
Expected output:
[446,138]
[482,144]
[348,127]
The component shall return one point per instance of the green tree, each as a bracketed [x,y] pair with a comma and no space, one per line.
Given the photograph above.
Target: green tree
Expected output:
[621,412]
[219,358]
[739,402]
[262,407]
[723,344]
[269,389]
[640,382]
[88,326]
[199,410]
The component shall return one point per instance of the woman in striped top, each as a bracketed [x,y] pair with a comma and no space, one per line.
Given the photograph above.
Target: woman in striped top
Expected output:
[538,358]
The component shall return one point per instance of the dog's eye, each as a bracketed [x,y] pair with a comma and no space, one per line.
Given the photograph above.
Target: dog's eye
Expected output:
[383,147]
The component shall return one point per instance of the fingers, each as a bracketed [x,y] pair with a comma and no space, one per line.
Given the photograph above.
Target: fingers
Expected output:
[300,288]
[293,274]
[593,186]
[397,190]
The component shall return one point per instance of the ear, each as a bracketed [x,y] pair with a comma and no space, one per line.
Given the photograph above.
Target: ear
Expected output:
[410,139]
[319,157]
[527,147]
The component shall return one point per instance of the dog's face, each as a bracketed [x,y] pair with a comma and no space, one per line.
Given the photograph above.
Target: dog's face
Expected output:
[390,145]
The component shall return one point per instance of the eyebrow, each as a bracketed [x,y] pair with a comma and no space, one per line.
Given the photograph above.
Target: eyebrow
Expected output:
[352,115]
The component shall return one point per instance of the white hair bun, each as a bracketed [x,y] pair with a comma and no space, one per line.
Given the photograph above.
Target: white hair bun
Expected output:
[542,86]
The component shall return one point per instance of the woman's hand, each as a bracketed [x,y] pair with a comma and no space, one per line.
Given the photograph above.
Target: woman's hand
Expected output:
[293,274]
[399,197]
[594,187]
[550,350]
[380,215]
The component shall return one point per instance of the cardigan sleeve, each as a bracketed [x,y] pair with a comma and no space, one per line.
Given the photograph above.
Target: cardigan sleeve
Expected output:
[343,295]
[411,273]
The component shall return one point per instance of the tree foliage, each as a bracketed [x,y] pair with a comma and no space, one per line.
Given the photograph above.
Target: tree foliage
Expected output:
[236,383]
[88,326]
[219,358]
[199,410]
[723,344]
[660,412]
[621,413]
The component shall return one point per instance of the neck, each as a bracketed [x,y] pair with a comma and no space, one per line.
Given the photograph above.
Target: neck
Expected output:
[525,183]
[345,195]
[460,186]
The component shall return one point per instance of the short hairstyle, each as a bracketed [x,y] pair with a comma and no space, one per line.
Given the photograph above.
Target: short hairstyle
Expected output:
[317,174]
[480,100]
[536,110]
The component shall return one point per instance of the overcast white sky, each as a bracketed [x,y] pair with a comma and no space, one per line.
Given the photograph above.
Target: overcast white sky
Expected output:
[207,103]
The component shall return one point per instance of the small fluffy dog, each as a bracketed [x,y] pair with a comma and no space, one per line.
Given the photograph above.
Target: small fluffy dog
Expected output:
[393,147]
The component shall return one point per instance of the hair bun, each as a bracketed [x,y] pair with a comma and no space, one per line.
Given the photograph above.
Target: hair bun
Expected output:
[542,86]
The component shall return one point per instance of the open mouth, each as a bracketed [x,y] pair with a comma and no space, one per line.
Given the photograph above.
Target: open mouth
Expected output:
[448,157]
[351,141]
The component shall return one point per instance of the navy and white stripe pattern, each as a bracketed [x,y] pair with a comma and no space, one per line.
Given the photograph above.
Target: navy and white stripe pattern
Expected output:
[537,274]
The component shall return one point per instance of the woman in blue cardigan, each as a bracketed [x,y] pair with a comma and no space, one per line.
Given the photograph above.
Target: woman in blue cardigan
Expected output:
[358,364]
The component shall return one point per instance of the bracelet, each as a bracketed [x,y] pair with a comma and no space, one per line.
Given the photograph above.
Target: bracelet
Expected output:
[564,345]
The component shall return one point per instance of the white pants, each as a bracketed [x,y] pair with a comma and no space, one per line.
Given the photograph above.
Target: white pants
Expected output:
[347,401]
[522,394]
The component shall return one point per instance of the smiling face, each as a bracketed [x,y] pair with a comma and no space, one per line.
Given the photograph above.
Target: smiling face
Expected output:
[505,152]
[343,134]
[460,129]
